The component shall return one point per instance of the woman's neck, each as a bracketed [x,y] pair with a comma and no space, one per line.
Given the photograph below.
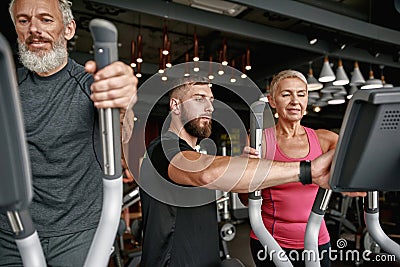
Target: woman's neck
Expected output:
[288,129]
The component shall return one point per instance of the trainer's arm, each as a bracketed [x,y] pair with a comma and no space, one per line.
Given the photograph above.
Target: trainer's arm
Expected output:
[240,174]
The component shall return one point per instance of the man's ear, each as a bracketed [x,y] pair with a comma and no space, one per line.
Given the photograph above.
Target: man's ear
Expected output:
[69,30]
[271,101]
[174,106]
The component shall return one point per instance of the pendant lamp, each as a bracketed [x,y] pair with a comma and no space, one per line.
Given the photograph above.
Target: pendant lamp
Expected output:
[372,83]
[326,74]
[341,76]
[337,100]
[353,89]
[356,77]
[312,83]
[385,85]
[330,88]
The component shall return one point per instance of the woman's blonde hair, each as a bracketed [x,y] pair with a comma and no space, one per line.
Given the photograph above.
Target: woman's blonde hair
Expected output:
[284,75]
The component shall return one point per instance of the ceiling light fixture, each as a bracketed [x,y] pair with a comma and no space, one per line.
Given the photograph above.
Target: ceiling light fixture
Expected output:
[353,89]
[138,70]
[243,75]
[374,52]
[210,70]
[139,58]
[312,83]
[341,76]
[165,50]
[312,40]
[168,63]
[356,77]
[386,85]
[160,61]
[317,109]
[326,74]
[196,48]
[330,88]
[337,100]
[233,79]
[248,65]
[187,70]
[372,83]
[196,67]
[340,44]
[133,57]
[225,53]
[221,69]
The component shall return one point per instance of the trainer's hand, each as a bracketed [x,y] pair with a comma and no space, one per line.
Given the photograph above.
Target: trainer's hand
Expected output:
[320,169]
[114,86]
[250,152]
[320,172]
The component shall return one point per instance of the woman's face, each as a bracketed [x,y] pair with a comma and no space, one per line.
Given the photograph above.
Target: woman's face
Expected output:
[290,99]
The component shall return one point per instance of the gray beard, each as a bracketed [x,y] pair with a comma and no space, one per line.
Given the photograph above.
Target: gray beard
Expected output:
[45,62]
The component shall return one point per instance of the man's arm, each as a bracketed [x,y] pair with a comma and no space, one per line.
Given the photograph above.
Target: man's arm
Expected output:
[239,174]
[127,120]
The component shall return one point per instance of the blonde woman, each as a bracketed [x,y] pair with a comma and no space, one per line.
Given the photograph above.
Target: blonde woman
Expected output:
[285,208]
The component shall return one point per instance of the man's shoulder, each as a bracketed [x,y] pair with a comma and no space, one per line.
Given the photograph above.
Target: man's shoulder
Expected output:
[168,142]
[166,137]
[76,69]
[153,144]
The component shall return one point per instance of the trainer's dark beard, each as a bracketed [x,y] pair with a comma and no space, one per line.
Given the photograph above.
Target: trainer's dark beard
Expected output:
[45,61]
[193,128]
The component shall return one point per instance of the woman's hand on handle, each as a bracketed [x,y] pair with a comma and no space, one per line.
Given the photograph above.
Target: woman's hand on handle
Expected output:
[250,152]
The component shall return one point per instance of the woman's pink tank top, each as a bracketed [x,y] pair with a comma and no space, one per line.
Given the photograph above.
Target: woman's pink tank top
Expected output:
[285,208]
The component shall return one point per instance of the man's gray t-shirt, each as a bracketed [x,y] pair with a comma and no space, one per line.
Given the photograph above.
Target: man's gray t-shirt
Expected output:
[62,135]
